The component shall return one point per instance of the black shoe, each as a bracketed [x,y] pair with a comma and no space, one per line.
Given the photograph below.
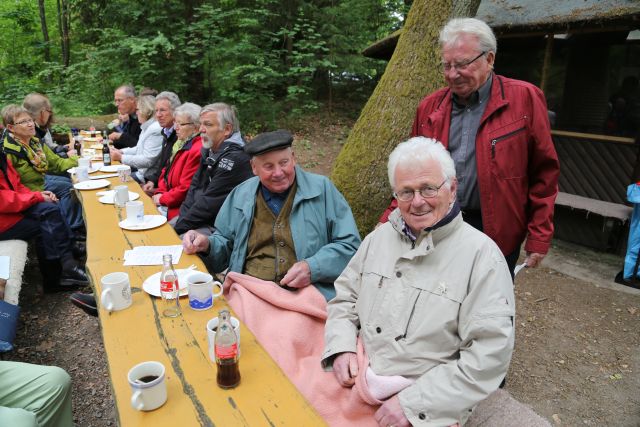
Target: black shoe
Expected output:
[621,280]
[79,249]
[86,302]
[51,288]
[74,277]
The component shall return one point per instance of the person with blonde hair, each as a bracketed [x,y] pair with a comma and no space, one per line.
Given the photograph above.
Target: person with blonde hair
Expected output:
[145,153]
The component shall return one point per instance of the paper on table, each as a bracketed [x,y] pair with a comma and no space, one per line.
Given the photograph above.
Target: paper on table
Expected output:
[151,255]
[4,266]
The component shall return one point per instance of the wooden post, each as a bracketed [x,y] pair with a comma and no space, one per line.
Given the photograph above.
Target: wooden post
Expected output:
[546,63]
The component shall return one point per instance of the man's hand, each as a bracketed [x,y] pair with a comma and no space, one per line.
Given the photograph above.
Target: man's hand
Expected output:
[115,154]
[156,199]
[533,259]
[345,368]
[391,414]
[49,196]
[114,136]
[298,276]
[148,188]
[193,242]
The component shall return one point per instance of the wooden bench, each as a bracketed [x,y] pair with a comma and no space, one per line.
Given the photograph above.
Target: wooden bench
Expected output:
[595,171]
[17,251]
[598,207]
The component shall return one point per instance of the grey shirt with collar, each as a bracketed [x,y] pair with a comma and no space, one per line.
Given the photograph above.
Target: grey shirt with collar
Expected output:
[465,121]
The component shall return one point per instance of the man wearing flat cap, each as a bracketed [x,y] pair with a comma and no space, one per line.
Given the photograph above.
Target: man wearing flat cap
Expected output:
[284,225]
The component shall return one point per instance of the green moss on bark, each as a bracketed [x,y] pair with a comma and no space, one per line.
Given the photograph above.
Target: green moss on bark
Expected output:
[360,171]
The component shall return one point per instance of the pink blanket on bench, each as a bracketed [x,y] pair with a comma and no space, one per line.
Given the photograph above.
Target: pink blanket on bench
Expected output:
[290,327]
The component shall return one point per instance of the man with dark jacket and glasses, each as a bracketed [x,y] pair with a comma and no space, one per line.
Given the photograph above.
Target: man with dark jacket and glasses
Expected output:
[224,165]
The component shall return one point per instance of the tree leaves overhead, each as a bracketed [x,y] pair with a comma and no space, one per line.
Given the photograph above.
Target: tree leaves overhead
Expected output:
[268,57]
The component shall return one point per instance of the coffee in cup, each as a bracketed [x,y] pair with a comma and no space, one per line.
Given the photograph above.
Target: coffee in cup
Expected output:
[148,386]
[200,286]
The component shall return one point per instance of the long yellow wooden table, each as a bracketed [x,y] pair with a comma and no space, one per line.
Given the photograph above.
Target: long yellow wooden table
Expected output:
[265,397]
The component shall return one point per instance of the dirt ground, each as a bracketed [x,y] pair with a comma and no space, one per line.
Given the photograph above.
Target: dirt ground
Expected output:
[577,357]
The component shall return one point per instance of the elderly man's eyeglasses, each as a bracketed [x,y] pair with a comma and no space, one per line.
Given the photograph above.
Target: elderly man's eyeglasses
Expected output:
[427,192]
[446,67]
[25,122]
[184,124]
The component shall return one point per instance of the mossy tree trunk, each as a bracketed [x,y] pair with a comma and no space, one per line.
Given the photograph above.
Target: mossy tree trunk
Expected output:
[360,171]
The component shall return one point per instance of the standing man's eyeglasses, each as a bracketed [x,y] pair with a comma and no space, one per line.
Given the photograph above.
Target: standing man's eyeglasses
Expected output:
[446,67]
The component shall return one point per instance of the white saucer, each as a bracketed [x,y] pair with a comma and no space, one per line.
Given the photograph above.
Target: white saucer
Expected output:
[150,221]
[92,185]
[107,197]
[151,285]
[112,168]
[92,170]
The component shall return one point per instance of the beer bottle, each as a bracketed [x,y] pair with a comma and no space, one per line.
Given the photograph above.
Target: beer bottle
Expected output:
[226,350]
[77,142]
[169,288]
[106,154]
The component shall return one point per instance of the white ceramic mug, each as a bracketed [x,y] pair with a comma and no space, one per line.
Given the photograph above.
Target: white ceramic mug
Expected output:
[124,173]
[135,212]
[121,195]
[201,296]
[82,173]
[148,386]
[84,162]
[212,326]
[116,291]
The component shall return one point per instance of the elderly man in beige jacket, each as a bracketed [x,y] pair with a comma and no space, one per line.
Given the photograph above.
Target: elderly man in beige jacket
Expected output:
[430,298]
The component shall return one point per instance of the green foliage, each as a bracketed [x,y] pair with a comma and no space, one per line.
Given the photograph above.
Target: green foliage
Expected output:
[271,59]
[60,128]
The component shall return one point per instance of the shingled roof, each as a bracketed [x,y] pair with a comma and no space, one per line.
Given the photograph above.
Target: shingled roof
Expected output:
[508,17]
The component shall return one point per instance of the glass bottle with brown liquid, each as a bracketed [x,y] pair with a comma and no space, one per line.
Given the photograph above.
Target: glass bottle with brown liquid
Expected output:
[226,349]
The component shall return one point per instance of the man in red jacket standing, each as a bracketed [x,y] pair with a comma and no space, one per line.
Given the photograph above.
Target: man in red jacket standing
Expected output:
[497,131]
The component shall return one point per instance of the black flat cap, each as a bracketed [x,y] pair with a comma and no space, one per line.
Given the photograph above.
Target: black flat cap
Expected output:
[269,141]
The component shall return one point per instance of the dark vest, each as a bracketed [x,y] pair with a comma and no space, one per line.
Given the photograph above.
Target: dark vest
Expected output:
[270,250]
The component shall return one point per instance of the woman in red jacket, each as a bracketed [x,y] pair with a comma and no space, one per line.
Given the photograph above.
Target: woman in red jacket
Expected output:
[175,178]
[27,214]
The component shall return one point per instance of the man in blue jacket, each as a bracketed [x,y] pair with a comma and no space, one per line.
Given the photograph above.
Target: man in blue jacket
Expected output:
[284,225]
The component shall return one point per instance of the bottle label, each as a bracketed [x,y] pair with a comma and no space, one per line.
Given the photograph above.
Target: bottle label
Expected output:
[168,286]
[227,351]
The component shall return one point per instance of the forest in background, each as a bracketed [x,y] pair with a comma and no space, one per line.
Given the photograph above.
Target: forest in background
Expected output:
[270,58]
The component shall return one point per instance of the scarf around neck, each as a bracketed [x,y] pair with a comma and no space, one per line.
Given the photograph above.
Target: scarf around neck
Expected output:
[35,153]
